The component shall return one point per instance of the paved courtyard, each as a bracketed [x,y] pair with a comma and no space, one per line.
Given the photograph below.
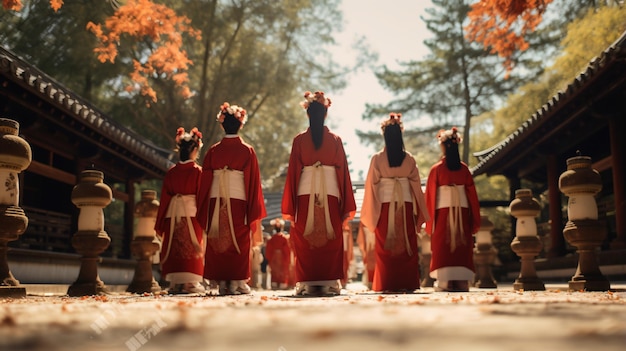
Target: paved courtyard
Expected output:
[482,319]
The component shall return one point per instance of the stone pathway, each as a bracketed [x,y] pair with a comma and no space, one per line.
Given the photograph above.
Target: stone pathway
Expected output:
[482,319]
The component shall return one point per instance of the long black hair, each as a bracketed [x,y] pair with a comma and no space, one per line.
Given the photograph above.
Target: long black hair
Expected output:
[453,160]
[394,144]
[231,124]
[185,148]
[317,113]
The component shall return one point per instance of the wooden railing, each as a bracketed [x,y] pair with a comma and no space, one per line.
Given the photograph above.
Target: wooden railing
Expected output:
[47,231]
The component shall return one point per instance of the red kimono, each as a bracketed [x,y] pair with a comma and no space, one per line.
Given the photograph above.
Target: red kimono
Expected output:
[318,256]
[278,254]
[448,251]
[181,250]
[387,191]
[228,250]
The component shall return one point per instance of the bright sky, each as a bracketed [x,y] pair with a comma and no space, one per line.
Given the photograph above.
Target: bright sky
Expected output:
[393,29]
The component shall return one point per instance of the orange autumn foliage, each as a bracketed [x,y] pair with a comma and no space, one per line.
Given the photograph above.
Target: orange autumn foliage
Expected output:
[144,20]
[16,5]
[502,24]
[13,5]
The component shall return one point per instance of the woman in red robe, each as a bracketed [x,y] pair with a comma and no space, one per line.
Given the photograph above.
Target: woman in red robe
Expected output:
[230,204]
[278,254]
[317,199]
[182,252]
[452,200]
[394,209]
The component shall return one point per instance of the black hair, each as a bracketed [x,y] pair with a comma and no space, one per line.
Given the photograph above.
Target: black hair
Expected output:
[453,160]
[317,113]
[185,148]
[231,124]
[394,145]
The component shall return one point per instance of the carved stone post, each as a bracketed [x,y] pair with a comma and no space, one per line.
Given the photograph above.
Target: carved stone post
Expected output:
[526,243]
[15,156]
[583,229]
[484,255]
[90,195]
[145,244]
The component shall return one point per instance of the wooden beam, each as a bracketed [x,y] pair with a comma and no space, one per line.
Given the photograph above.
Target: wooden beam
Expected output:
[52,173]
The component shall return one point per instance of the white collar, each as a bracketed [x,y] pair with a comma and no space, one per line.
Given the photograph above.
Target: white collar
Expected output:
[231,135]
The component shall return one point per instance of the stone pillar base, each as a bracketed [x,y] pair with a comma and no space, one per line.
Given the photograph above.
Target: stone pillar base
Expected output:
[587,235]
[529,284]
[143,280]
[144,287]
[14,292]
[527,248]
[87,289]
[484,255]
[590,284]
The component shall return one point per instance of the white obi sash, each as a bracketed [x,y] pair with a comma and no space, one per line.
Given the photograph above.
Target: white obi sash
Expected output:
[319,181]
[396,191]
[227,184]
[182,206]
[453,197]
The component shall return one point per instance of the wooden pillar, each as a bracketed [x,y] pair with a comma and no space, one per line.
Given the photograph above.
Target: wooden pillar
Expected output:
[557,242]
[616,128]
[514,184]
[129,216]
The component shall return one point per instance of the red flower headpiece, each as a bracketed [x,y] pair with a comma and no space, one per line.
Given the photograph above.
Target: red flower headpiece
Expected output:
[316,96]
[394,118]
[452,135]
[234,110]
[194,134]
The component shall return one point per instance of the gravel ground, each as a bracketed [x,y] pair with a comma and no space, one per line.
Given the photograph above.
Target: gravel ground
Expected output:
[482,319]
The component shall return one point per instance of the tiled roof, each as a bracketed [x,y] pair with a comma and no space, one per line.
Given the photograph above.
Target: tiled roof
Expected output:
[614,54]
[37,82]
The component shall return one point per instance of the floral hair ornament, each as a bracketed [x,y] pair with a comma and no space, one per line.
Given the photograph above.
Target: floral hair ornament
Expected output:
[236,111]
[277,221]
[394,118]
[318,96]
[194,134]
[452,135]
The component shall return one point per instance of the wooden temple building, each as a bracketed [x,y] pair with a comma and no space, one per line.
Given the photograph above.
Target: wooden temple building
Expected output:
[68,135]
[588,117]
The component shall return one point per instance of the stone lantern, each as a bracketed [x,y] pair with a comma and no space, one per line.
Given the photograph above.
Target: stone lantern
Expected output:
[484,255]
[15,156]
[583,229]
[90,195]
[145,244]
[526,243]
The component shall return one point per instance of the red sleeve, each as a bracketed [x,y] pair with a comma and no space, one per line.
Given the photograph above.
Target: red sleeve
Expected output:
[431,197]
[348,205]
[164,203]
[472,199]
[288,204]
[256,203]
[204,191]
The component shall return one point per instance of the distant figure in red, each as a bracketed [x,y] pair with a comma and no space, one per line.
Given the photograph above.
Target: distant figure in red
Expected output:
[317,200]
[278,255]
[182,252]
[230,204]
[453,203]
[348,253]
[366,240]
[394,209]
